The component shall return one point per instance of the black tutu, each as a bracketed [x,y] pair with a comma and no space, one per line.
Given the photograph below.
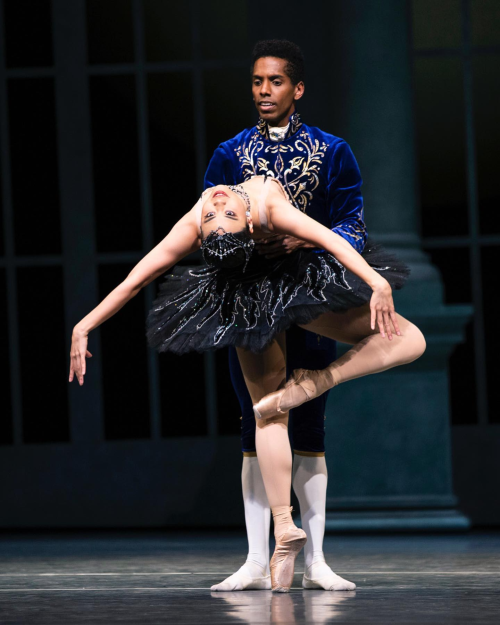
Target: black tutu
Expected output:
[203,308]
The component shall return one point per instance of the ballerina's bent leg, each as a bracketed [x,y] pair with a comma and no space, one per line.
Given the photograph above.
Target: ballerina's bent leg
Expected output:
[370,354]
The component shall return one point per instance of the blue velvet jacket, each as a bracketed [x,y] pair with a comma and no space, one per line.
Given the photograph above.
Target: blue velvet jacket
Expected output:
[317,169]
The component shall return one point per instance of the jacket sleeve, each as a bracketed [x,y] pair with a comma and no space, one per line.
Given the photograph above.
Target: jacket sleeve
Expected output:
[220,169]
[344,198]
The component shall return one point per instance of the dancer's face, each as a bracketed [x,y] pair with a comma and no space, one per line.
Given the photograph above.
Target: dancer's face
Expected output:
[223,208]
[273,92]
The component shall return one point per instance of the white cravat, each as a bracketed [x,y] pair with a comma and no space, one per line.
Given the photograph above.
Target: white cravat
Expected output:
[278,133]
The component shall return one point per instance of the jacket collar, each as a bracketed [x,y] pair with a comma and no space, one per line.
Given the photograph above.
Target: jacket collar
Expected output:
[295,124]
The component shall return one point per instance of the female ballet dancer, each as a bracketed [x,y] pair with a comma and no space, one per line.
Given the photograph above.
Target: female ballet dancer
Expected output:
[245,300]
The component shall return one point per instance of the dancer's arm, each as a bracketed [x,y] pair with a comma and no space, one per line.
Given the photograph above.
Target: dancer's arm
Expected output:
[179,242]
[284,218]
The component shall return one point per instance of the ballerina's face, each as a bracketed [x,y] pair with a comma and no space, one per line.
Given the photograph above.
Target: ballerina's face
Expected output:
[222,209]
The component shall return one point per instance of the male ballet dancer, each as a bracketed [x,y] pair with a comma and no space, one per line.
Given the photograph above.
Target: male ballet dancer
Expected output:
[322,178]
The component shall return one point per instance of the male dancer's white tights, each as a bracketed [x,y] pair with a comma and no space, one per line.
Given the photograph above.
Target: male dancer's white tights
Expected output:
[254,574]
[310,479]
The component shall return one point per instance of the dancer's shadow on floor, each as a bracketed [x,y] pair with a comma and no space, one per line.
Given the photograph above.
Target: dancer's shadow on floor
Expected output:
[263,606]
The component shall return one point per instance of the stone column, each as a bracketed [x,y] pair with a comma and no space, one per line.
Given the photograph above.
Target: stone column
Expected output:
[388,435]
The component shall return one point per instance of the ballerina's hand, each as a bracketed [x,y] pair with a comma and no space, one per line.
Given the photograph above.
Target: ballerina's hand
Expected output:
[77,354]
[382,310]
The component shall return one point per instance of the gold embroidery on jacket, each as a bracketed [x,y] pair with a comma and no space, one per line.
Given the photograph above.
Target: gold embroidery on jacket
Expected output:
[300,178]
[355,230]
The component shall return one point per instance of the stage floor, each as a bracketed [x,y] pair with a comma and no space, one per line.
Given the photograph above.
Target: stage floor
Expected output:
[153,577]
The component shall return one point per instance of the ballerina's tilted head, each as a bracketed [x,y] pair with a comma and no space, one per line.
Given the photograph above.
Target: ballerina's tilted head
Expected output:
[226,213]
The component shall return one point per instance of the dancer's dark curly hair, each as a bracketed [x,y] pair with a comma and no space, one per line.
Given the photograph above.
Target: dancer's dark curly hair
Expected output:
[282,49]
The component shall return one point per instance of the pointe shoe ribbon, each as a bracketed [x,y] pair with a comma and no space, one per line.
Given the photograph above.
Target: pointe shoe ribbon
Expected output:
[271,405]
[302,377]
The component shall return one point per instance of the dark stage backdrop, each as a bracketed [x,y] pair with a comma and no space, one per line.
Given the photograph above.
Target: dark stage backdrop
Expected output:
[109,112]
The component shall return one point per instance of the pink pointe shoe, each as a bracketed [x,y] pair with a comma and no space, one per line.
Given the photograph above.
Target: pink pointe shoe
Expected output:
[303,385]
[283,561]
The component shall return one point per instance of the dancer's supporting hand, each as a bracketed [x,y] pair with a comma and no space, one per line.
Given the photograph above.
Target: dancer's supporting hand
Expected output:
[280,244]
[382,309]
[77,354]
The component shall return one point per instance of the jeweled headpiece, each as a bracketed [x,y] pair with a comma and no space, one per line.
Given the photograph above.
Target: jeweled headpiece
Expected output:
[239,190]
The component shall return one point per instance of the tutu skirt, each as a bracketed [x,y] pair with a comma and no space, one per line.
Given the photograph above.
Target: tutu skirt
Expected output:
[203,308]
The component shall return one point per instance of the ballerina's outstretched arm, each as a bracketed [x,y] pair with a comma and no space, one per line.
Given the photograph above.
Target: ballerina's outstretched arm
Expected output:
[183,239]
[284,218]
